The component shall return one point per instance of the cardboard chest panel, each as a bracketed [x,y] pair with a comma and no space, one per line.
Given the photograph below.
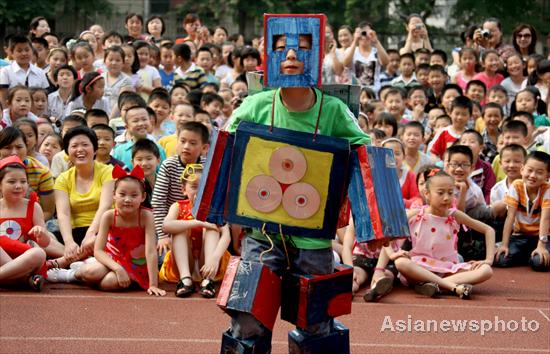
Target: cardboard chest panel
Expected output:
[289,181]
[375,195]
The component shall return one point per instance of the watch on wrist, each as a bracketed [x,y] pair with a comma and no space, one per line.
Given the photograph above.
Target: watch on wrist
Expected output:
[544,238]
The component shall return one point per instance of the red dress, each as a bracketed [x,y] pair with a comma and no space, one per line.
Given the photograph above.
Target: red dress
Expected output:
[14,233]
[126,246]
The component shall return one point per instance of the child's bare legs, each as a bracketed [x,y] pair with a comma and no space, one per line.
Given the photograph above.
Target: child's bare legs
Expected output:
[475,276]
[20,267]
[97,274]
[183,258]
[55,249]
[62,262]
[377,275]
[417,274]
[360,277]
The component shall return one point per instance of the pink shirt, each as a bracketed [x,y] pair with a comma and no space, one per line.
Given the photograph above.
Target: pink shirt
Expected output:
[489,81]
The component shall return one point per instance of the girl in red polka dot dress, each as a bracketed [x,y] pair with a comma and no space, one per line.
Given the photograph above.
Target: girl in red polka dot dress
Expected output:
[433,261]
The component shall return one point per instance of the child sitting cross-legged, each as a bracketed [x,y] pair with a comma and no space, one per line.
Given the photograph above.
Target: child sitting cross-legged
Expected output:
[433,262]
[195,242]
[526,229]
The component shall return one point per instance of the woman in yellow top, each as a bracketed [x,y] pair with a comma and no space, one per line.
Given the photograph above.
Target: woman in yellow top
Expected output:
[82,194]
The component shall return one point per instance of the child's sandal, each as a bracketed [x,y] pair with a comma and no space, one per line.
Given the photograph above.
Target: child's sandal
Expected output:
[428,289]
[382,287]
[52,263]
[36,282]
[207,289]
[463,291]
[183,290]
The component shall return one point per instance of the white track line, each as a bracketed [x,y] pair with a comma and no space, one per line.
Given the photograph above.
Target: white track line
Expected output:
[216,341]
[544,315]
[171,298]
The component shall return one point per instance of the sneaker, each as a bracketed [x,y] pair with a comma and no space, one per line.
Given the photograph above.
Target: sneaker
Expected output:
[76,265]
[381,288]
[90,260]
[427,289]
[57,275]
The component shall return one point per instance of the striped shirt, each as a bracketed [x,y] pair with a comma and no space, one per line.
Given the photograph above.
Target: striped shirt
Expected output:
[167,190]
[39,177]
[528,211]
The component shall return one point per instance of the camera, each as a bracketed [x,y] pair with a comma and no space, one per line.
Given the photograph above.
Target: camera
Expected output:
[364,33]
[486,33]
[418,26]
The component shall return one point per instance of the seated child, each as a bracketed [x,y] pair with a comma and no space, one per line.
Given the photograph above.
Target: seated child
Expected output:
[433,262]
[394,103]
[512,160]
[126,100]
[125,244]
[461,111]
[195,242]
[526,229]
[146,154]
[19,261]
[387,123]
[482,172]
[137,124]
[181,112]
[368,264]
[212,103]
[105,143]
[513,132]
[160,102]
[406,177]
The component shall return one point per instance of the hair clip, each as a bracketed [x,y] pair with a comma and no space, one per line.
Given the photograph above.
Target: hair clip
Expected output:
[434,172]
[190,172]
[137,172]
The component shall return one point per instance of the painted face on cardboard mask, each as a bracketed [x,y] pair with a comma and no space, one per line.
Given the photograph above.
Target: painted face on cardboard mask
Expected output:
[293,50]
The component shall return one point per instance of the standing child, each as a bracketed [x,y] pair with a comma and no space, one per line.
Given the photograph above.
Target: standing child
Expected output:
[88,94]
[105,143]
[149,75]
[160,102]
[125,244]
[407,79]
[412,138]
[492,117]
[21,71]
[490,60]
[437,77]
[461,111]
[39,105]
[181,113]
[131,65]
[57,57]
[192,143]
[468,61]
[166,70]
[19,106]
[58,100]
[528,203]
[82,56]
[482,172]
[529,100]
[194,242]
[115,80]
[433,260]
[515,80]
[19,261]
[406,177]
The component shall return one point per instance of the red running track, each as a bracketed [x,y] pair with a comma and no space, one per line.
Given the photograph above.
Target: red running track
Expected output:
[76,319]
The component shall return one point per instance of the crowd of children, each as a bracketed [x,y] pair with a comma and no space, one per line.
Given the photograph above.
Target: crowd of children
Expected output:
[102,140]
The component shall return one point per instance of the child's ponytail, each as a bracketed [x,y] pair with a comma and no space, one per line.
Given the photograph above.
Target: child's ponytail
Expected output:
[80,86]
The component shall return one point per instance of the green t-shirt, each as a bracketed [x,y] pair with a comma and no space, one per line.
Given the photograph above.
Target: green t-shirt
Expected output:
[336,120]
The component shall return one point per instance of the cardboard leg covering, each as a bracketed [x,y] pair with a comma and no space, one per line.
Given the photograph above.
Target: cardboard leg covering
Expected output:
[255,345]
[337,341]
